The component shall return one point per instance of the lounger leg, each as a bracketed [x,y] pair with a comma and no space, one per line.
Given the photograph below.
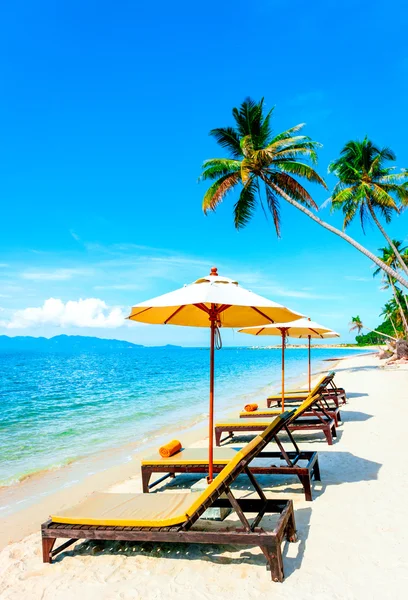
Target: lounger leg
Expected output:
[316,471]
[217,437]
[291,527]
[47,546]
[339,417]
[274,560]
[145,480]
[329,437]
[305,481]
[334,432]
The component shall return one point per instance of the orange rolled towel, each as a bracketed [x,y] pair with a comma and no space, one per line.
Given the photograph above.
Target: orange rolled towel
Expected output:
[169,449]
[250,407]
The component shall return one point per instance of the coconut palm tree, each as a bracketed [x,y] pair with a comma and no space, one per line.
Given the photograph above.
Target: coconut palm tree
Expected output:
[260,161]
[368,187]
[387,313]
[356,324]
[389,257]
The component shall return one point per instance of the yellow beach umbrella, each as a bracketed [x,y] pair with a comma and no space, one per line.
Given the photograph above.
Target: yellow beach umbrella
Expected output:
[301,328]
[213,302]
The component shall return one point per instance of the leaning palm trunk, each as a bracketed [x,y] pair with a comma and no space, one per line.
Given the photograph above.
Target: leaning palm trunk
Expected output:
[398,256]
[391,272]
[400,309]
[393,324]
[380,333]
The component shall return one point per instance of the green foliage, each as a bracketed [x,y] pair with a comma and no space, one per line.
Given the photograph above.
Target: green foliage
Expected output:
[263,166]
[366,185]
[373,338]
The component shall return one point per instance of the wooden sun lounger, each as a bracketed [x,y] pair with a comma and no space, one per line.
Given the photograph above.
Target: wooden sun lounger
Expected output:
[320,421]
[330,410]
[301,463]
[326,386]
[171,517]
[311,409]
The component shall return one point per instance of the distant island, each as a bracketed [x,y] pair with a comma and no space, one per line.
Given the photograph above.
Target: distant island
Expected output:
[63,343]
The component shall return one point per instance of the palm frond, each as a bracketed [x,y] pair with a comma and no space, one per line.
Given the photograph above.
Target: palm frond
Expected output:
[245,205]
[299,169]
[273,205]
[216,167]
[218,190]
[382,198]
[287,187]
[229,139]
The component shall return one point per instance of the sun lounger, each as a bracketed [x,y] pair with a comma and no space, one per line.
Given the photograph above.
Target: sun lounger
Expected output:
[320,421]
[327,386]
[303,464]
[322,404]
[165,517]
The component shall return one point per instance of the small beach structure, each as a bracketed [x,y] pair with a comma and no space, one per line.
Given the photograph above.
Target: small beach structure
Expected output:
[301,328]
[214,302]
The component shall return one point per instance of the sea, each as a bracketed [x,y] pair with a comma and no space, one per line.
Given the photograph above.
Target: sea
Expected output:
[59,407]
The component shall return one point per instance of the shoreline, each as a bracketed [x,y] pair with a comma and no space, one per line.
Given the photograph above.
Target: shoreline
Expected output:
[43,491]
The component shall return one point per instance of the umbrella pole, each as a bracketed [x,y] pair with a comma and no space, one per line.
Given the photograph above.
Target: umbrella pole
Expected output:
[211,415]
[283,369]
[310,367]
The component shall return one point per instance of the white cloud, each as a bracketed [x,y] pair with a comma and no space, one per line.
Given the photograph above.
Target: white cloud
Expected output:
[356,278]
[91,312]
[55,275]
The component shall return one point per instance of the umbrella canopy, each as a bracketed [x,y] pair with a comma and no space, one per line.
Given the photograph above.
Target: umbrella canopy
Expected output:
[301,328]
[213,302]
[190,306]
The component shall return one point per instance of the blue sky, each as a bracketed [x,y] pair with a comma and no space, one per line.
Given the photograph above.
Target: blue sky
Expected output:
[105,111]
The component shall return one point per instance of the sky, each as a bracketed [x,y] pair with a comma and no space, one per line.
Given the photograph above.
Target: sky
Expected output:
[105,110]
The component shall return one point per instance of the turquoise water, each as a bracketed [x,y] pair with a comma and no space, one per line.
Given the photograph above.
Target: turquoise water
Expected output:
[57,407]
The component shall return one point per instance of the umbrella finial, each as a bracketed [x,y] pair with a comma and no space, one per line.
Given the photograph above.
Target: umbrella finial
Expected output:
[214,272]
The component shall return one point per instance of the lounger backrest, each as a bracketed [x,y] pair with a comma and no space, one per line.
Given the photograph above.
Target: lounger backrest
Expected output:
[306,404]
[323,381]
[238,463]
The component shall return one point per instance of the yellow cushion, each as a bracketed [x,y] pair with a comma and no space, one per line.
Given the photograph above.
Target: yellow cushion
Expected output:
[129,510]
[261,413]
[193,456]
[245,423]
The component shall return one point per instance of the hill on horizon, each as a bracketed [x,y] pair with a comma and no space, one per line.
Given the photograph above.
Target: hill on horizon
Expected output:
[63,343]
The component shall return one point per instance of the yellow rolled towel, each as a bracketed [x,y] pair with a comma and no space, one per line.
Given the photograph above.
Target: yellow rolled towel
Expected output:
[169,449]
[250,407]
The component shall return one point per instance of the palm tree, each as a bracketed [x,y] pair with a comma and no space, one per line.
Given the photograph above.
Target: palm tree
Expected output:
[388,312]
[261,161]
[389,257]
[367,186]
[356,324]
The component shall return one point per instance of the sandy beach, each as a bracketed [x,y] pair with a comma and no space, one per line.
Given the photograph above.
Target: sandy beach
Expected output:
[352,537]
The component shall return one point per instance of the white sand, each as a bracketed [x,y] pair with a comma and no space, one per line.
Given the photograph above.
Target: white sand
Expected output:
[352,537]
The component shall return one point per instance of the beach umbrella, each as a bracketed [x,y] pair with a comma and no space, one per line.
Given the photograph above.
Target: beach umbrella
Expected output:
[301,328]
[213,302]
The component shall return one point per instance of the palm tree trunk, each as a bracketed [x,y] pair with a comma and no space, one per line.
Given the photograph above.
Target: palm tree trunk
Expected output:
[403,318]
[380,333]
[398,256]
[339,233]
[393,325]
